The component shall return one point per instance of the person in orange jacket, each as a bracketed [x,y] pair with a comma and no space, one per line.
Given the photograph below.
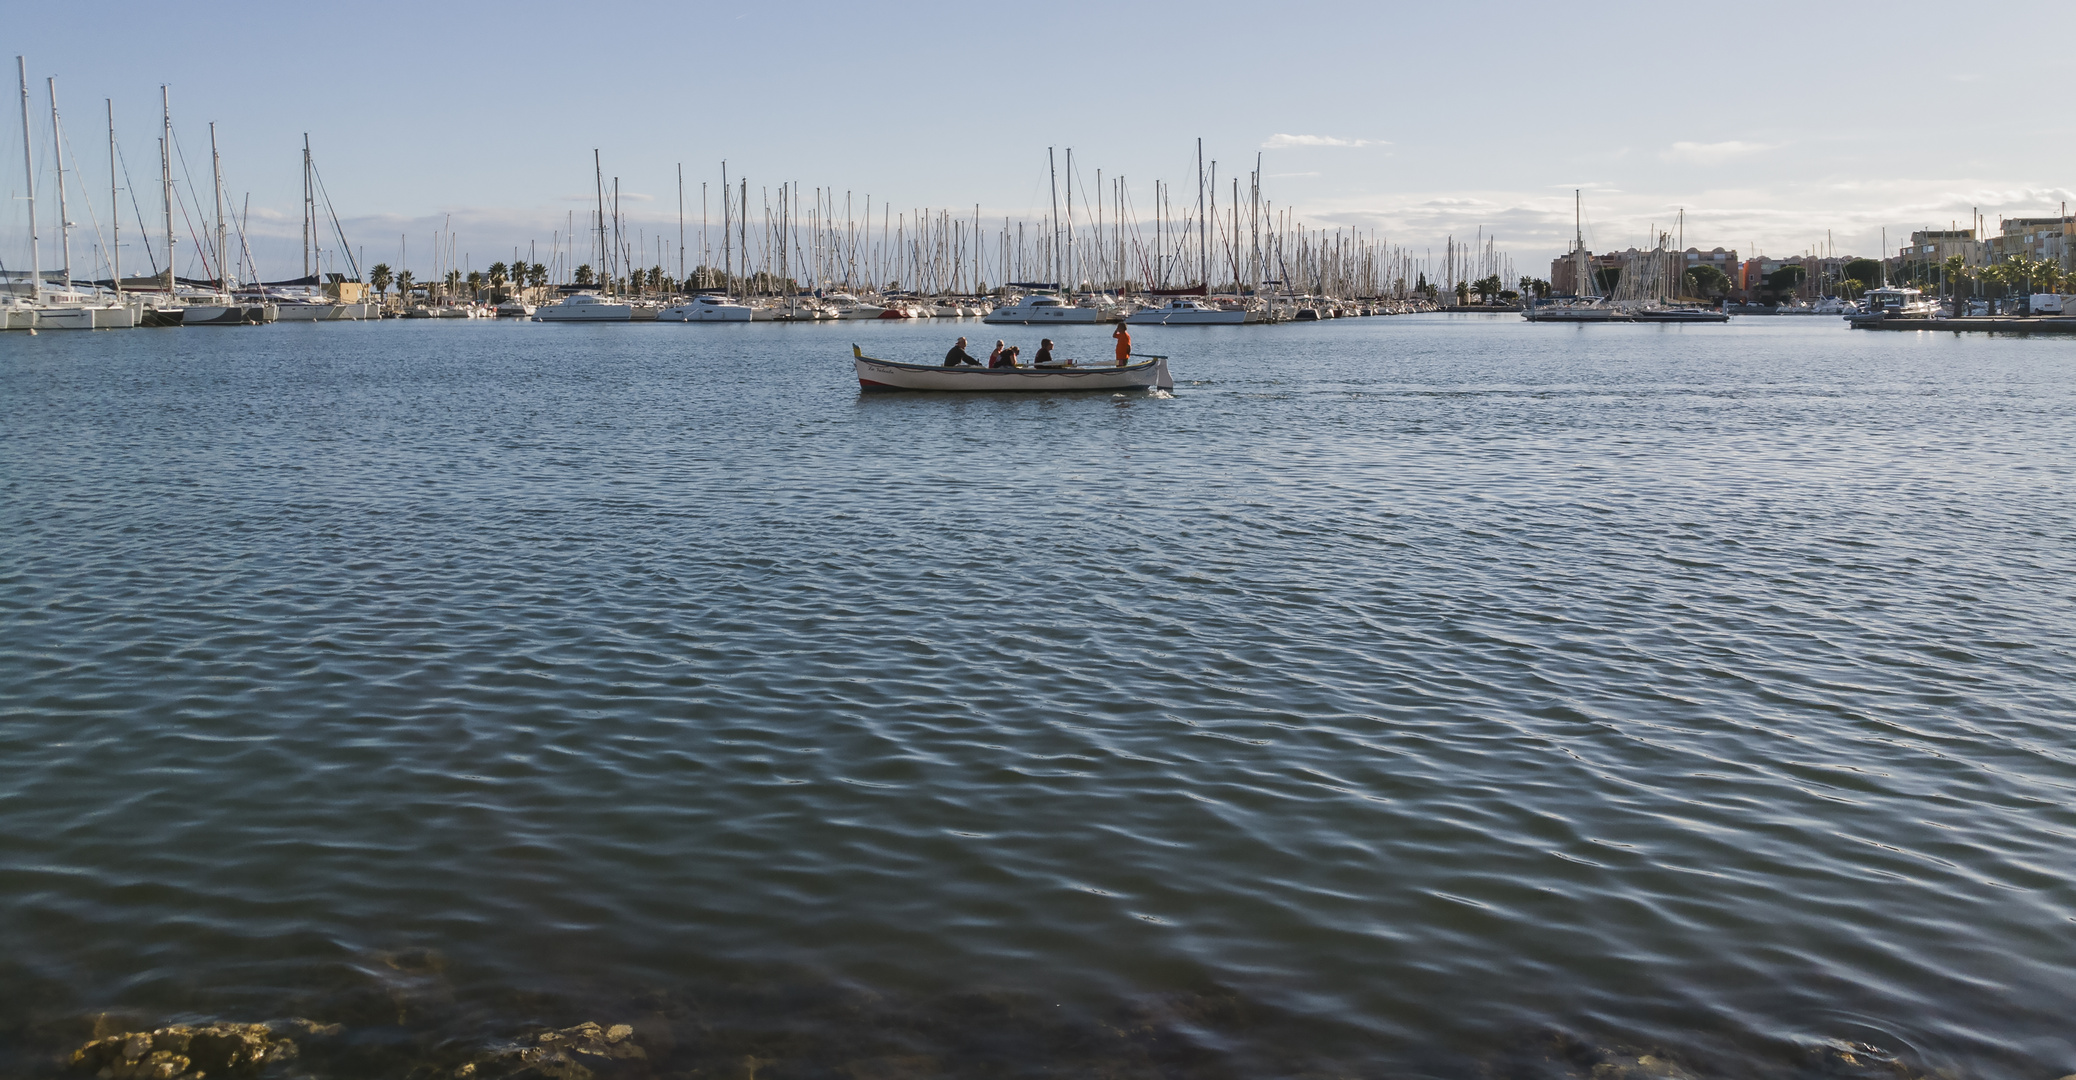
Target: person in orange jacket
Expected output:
[1124,344]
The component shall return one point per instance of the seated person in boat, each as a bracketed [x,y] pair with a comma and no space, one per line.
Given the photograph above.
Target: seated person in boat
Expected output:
[958,355]
[995,358]
[1044,357]
[1007,357]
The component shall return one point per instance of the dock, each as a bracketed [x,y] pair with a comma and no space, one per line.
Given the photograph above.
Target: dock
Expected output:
[1997,324]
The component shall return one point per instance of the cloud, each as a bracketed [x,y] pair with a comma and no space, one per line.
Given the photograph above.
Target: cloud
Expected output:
[1715,152]
[1281,141]
[1285,175]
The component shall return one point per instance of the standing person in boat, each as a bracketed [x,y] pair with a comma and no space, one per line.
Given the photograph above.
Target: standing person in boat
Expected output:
[1044,357]
[1124,344]
[958,355]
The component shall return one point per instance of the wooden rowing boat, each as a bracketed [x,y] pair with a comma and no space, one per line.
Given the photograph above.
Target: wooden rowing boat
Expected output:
[1148,372]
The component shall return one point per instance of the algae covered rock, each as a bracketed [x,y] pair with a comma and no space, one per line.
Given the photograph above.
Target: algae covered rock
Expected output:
[184,1052]
[573,1053]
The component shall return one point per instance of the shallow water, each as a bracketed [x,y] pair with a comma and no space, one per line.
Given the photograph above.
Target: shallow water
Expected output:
[1399,692]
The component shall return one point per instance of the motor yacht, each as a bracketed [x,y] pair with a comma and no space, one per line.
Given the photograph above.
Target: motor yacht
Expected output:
[706,309]
[1899,303]
[1184,311]
[1039,309]
[584,307]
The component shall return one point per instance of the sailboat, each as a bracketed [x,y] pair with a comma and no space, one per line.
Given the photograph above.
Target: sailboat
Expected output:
[1585,306]
[221,309]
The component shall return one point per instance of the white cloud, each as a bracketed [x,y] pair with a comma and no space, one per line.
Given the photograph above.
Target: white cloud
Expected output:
[1281,141]
[1715,152]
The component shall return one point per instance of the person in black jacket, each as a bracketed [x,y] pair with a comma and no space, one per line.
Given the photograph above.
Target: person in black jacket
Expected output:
[958,355]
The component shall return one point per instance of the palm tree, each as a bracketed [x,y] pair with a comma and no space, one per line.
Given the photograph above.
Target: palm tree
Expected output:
[537,275]
[453,281]
[380,278]
[584,274]
[403,286]
[497,274]
[475,283]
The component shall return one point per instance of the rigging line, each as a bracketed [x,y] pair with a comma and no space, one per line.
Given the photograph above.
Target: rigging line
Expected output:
[100,242]
[1138,241]
[202,247]
[351,262]
[132,189]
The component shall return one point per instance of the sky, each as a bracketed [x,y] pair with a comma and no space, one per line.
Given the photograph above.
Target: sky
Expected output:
[1772,126]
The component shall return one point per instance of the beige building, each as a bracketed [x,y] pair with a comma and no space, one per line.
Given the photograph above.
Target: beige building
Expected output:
[2050,239]
[1564,268]
[1937,245]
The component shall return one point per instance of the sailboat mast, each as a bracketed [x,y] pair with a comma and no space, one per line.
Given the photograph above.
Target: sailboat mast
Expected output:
[1073,279]
[29,171]
[57,146]
[115,217]
[309,207]
[1203,233]
[223,276]
[598,181]
[681,224]
[1055,252]
[1583,265]
[166,177]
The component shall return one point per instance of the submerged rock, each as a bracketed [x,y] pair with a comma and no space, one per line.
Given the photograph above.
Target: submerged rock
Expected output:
[572,1053]
[187,1052]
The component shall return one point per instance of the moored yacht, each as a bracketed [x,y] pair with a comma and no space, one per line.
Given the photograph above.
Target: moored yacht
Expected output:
[1899,303]
[706,309]
[1184,311]
[584,307]
[1039,308]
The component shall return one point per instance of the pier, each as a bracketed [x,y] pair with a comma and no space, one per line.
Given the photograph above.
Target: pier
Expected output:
[1998,324]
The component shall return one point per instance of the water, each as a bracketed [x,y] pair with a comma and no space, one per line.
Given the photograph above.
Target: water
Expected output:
[1427,695]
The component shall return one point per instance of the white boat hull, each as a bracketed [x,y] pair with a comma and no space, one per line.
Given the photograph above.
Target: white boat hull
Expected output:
[1157,317]
[705,313]
[83,317]
[584,313]
[1042,316]
[1151,373]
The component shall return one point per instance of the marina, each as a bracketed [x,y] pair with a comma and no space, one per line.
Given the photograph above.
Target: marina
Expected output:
[1165,558]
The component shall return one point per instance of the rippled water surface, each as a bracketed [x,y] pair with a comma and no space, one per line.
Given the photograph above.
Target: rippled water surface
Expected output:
[1400,692]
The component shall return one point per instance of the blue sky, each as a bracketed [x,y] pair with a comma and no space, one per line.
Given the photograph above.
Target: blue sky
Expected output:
[1768,123]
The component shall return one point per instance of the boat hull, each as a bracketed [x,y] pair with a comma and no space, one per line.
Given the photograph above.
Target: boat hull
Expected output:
[1681,316]
[584,313]
[106,317]
[1151,373]
[706,313]
[1577,315]
[1042,316]
[1157,317]
[219,315]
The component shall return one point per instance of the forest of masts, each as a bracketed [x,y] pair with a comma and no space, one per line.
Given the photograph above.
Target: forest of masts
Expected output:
[794,238]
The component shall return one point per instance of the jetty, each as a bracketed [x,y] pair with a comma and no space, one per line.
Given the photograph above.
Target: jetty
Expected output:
[1996,324]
